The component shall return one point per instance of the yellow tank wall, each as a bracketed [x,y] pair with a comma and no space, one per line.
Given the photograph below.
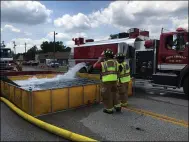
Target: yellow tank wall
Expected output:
[41,102]
[75,96]
[89,93]
[53,100]
[12,93]
[2,87]
[24,77]
[25,101]
[97,77]
[16,95]
[6,89]
[47,101]
[60,99]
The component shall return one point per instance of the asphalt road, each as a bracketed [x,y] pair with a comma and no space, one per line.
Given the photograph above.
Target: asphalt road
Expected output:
[128,125]
[14,128]
[30,68]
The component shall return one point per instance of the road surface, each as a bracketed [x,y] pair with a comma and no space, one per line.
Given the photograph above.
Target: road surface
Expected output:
[14,128]
[30,68]
[129,125]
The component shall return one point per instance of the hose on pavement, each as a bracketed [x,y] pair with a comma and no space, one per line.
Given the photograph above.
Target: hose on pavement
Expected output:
[51,128]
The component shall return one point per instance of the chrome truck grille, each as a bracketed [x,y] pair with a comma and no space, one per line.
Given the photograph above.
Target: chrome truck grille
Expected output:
[4,65]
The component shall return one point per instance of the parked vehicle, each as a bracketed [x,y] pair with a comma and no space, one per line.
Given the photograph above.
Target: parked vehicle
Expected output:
[53,64]
[6,59]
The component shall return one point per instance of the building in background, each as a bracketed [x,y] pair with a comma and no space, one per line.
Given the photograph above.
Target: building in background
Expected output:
[60,57]
[37,58]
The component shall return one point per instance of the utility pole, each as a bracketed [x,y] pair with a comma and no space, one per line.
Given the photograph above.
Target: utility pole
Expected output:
[25,47]
[54,44]
[14,47]
[3,44]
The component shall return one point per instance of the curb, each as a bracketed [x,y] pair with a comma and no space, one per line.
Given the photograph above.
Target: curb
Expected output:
[46,126]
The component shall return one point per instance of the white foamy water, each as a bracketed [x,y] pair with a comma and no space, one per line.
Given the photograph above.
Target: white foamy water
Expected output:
[29,83]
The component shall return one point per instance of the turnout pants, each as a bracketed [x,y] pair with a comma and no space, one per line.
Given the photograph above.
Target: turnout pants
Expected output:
[123,93]
[109,95]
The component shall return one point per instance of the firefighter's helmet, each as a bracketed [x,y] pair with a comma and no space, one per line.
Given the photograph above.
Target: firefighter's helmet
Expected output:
[108,53]
[120,55]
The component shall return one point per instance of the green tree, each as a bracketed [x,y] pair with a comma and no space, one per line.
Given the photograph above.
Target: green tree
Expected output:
[67,49]
[30,54]
[49,46]
[16,56]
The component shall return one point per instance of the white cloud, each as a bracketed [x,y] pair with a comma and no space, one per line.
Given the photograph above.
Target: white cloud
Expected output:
[12,28]
[62,36]
[70,43]
[20,44]
[27,33]
[102,38]
[67,37]
[77,22]
[180,22]
[124,15]
[26,12]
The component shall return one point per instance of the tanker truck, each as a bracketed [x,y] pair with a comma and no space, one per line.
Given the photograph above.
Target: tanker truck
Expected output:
[163,61]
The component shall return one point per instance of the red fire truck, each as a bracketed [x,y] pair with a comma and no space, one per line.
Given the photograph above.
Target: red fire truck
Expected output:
[164,61]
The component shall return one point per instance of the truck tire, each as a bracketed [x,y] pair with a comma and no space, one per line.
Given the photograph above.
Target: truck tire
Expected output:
[185,86]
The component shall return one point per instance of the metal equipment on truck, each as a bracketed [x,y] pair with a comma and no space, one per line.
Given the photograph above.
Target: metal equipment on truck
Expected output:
[163,62]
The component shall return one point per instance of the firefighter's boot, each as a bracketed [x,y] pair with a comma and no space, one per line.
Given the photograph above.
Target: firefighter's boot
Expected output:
[124,104]
[108,111]
[117,108]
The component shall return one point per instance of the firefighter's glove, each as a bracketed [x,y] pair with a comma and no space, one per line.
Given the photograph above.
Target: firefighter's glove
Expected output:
[102,53]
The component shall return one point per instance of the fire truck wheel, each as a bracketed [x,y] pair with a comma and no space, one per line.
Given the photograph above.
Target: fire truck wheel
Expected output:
[185,85]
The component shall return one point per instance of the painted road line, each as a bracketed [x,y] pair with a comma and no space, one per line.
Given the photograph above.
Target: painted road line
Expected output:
[158,116]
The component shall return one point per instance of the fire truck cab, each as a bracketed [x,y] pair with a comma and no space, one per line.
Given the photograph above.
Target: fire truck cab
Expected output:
[163,61]
[6,59]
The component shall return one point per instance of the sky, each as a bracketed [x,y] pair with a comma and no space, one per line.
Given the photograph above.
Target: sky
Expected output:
[33,22]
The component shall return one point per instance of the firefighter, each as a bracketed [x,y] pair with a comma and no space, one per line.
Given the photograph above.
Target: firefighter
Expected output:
[109,81]
[123,79]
